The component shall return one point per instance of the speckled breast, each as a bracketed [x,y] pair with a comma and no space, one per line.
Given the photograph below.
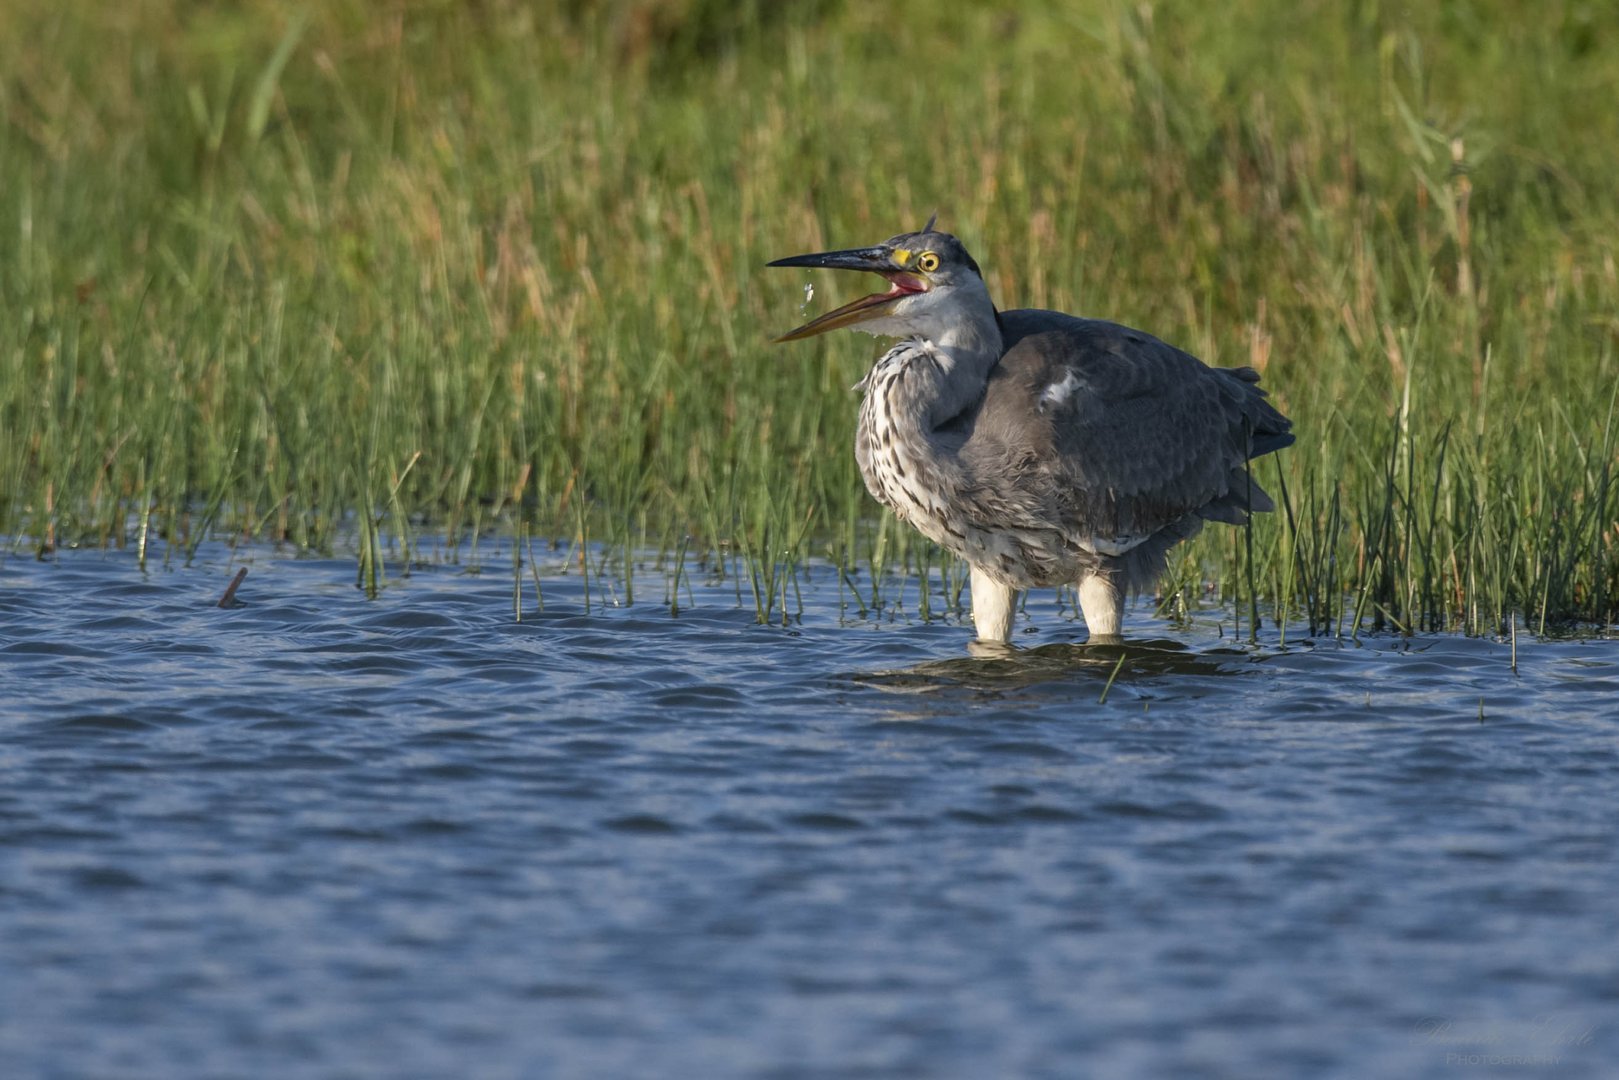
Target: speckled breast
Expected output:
[900,474]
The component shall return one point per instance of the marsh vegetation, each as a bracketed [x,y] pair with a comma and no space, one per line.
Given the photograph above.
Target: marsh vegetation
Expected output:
[356,276]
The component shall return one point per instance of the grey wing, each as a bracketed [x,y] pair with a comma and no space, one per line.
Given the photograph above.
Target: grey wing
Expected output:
[1124,435]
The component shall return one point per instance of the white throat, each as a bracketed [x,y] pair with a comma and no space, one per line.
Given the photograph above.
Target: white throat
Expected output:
[959,322]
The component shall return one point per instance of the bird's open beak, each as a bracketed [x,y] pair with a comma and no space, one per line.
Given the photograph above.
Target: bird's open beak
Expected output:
[877,260]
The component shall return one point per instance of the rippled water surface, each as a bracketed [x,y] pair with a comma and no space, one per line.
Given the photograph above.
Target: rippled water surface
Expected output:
[320,835]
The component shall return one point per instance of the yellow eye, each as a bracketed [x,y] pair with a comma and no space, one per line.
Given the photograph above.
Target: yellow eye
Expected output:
[928,262]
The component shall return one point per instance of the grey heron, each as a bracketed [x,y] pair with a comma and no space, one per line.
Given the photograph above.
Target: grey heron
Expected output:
[1041,448]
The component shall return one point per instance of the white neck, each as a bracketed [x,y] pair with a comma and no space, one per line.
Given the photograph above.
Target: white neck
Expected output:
[959,323]
[972,337]
[958,330]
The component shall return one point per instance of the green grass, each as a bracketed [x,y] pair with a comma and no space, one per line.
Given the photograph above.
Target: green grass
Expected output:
[359,275]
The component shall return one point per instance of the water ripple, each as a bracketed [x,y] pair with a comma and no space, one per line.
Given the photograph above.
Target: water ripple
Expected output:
[386,838]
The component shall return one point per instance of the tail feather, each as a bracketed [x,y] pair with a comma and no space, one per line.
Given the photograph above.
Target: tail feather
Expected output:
[1268,442]
[1243,495]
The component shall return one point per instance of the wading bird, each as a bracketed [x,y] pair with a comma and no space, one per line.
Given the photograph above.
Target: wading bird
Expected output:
[1041,448]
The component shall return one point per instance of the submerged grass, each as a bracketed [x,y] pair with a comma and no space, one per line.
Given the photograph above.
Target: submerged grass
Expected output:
[347,272]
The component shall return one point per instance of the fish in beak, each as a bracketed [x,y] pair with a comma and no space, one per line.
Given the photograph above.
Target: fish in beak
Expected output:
[882,260]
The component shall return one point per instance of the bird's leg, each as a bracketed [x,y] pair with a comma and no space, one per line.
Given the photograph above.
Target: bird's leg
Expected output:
[1103,605]
[993,603]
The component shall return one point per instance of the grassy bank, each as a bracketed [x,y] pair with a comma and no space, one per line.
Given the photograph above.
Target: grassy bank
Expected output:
[305,272]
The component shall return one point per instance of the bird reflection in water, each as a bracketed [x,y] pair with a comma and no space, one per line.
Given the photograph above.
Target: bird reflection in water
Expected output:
[992,666]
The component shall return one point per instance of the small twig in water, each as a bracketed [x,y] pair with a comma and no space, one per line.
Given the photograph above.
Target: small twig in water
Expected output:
[229,599]
[1103,699]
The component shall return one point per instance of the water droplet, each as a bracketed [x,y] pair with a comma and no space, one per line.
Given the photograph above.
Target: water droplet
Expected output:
[809,294]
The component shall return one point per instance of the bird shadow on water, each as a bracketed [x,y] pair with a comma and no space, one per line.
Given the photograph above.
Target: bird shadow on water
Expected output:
[1005,667]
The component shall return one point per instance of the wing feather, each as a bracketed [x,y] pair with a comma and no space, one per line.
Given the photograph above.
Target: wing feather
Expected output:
[1106,431]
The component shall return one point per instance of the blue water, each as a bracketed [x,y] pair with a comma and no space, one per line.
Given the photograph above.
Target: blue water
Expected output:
[319,835]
